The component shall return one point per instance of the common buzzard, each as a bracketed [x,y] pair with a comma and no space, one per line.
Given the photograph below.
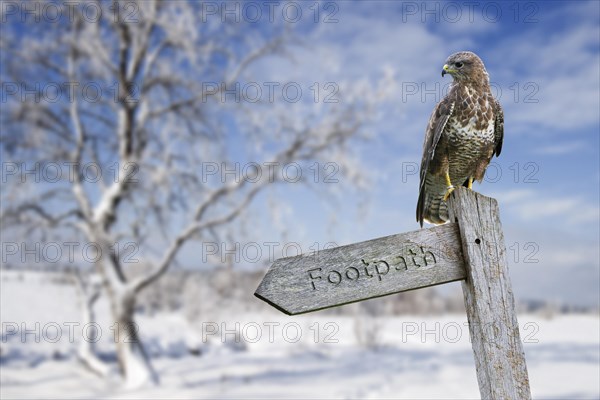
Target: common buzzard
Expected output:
[464,131]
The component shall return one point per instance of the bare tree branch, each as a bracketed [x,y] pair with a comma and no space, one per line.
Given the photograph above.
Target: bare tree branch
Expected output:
[156,143]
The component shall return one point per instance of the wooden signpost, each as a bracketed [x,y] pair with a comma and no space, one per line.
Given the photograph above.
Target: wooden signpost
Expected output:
[469,248]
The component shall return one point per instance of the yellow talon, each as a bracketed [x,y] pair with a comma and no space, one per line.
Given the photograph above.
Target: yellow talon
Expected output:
[448,192]
[470,184]
[450,187]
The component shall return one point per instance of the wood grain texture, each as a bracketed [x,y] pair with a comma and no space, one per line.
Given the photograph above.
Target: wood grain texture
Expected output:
[493,326]
[364,270]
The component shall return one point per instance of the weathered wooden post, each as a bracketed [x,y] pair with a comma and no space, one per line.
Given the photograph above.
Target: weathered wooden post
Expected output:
[499,357]
[469,248]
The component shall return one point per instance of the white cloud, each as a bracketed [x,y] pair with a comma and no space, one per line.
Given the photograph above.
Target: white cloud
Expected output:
[562,63]
[537,205]
[513,196]
[561,148]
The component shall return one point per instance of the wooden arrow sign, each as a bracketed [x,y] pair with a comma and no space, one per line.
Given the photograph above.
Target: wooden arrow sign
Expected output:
[472,249]
[361,271]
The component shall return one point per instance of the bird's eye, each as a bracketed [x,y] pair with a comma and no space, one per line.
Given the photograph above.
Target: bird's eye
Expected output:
[459,65]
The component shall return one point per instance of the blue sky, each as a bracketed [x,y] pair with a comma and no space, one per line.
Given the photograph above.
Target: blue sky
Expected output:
[544,64]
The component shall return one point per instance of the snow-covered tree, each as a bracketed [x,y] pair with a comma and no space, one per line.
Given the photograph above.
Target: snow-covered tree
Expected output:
[142,98]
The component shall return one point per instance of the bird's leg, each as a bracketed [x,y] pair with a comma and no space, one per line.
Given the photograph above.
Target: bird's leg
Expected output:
[449,186]
[470,184]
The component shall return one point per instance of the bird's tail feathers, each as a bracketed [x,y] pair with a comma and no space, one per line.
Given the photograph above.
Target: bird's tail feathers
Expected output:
[431,206]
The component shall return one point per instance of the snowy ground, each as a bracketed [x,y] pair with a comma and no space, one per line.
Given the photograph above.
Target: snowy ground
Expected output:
[312,356]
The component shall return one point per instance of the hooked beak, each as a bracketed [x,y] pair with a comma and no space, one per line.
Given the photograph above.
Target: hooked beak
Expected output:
[445,70]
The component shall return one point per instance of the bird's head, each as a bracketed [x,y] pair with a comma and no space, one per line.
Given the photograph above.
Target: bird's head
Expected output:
[465,66]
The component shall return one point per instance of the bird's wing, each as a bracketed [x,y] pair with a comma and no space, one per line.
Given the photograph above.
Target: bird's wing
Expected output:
[498,127]
[437,122]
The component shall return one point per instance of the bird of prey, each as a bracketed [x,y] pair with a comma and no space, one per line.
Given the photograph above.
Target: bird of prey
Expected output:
[464,131]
